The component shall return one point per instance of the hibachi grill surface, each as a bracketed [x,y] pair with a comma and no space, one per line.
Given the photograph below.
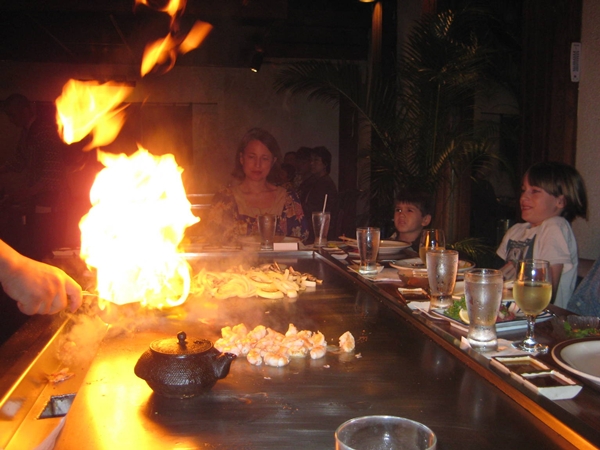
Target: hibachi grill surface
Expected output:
[396,369]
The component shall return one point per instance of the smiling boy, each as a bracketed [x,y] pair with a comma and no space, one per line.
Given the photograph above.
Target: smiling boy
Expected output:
[412,213]
[552,195]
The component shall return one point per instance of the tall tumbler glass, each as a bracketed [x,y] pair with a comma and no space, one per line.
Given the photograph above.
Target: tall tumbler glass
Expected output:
[368,239]
[442,267]
[483,295]
[267,223]
[321,222]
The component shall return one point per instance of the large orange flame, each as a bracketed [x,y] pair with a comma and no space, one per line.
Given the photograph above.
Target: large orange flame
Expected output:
[130,236]
[88,107]
[139,207]
[173,8]
[164,51]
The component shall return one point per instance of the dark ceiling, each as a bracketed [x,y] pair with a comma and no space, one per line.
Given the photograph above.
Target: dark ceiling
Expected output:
[116,31]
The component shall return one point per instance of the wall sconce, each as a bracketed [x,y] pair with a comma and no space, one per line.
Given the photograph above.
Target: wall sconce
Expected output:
[367,1]
[257,60]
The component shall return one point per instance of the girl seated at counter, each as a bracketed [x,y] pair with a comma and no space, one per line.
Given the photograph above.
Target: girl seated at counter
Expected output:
[552,196]
[256,191]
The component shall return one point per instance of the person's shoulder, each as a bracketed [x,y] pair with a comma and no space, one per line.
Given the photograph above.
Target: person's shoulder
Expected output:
[328,180]
[556,222]
[224,192]
[290,192]
[308,181]
[519,227]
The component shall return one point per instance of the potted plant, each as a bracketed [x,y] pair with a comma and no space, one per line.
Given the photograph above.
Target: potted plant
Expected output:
[423,132]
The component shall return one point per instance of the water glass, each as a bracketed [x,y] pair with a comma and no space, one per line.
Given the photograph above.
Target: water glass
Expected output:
[320,221]
[383,433]
[267,223]
[442,267]
[431,239]
[368,239]
[483,295]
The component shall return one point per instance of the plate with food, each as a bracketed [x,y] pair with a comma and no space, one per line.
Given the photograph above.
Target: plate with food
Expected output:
[335,245]
[416,265]
[509,316]
[580,357]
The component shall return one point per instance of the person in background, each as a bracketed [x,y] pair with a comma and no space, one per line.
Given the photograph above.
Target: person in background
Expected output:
[289,172]
[40,155]
[553,194]
[290,158]
[585,301]
[303,177]
[412,212]
[37,288]
[313,199]
[257,171]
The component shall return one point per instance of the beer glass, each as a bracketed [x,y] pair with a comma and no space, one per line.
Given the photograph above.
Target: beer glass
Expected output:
[430,239]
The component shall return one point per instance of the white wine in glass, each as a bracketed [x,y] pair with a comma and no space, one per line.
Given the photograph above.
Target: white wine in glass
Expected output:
[431,239]
[532,291]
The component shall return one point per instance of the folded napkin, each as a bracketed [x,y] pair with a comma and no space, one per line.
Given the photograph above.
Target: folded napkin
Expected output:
[285,246]
[419,306]
[354,268]
[387,274]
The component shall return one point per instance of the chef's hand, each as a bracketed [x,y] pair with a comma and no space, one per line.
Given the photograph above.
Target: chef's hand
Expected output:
[509,271]
[38,288]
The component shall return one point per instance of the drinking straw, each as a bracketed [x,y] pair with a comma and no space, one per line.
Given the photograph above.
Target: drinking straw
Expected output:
[324,203]
[321,229]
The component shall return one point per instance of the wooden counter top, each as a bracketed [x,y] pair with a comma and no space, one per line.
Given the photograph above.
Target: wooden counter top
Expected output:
[401,366]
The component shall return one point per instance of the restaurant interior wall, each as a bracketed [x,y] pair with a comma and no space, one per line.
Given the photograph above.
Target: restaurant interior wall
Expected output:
[588,122]
[225,103]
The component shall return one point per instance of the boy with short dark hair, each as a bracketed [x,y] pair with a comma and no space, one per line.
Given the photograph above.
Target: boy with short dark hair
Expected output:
[412,213]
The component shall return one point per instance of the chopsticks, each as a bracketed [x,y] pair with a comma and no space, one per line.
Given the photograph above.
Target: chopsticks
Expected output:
[347,239]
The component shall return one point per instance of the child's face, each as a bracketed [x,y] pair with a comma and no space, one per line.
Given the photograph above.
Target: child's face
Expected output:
[409,219]
[537,205]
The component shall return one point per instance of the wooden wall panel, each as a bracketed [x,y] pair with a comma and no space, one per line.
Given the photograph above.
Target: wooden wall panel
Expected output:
[549,97]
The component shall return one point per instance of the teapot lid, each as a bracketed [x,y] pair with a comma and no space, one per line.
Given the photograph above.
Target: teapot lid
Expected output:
[180,346]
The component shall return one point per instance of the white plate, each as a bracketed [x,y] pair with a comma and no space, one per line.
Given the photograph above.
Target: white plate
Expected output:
[339,255]
[391,247]
[386,248]
[416,265]
[459,288]
[580,357]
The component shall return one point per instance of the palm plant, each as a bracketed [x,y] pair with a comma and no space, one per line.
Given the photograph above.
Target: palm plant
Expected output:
[422,130]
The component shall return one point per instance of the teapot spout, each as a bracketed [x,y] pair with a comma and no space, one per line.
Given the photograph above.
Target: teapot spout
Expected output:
[222,364]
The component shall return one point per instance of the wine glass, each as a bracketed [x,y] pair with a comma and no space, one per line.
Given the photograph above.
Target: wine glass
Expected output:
[532,291]
[431,239]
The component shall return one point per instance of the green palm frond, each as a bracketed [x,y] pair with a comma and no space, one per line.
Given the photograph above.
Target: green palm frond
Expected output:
[474,249]
[423,133]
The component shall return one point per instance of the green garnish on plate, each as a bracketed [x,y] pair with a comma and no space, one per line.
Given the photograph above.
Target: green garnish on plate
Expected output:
[580,332]
[454,310]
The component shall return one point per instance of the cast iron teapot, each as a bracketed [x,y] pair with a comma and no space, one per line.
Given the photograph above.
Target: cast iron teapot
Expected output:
[179,369]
